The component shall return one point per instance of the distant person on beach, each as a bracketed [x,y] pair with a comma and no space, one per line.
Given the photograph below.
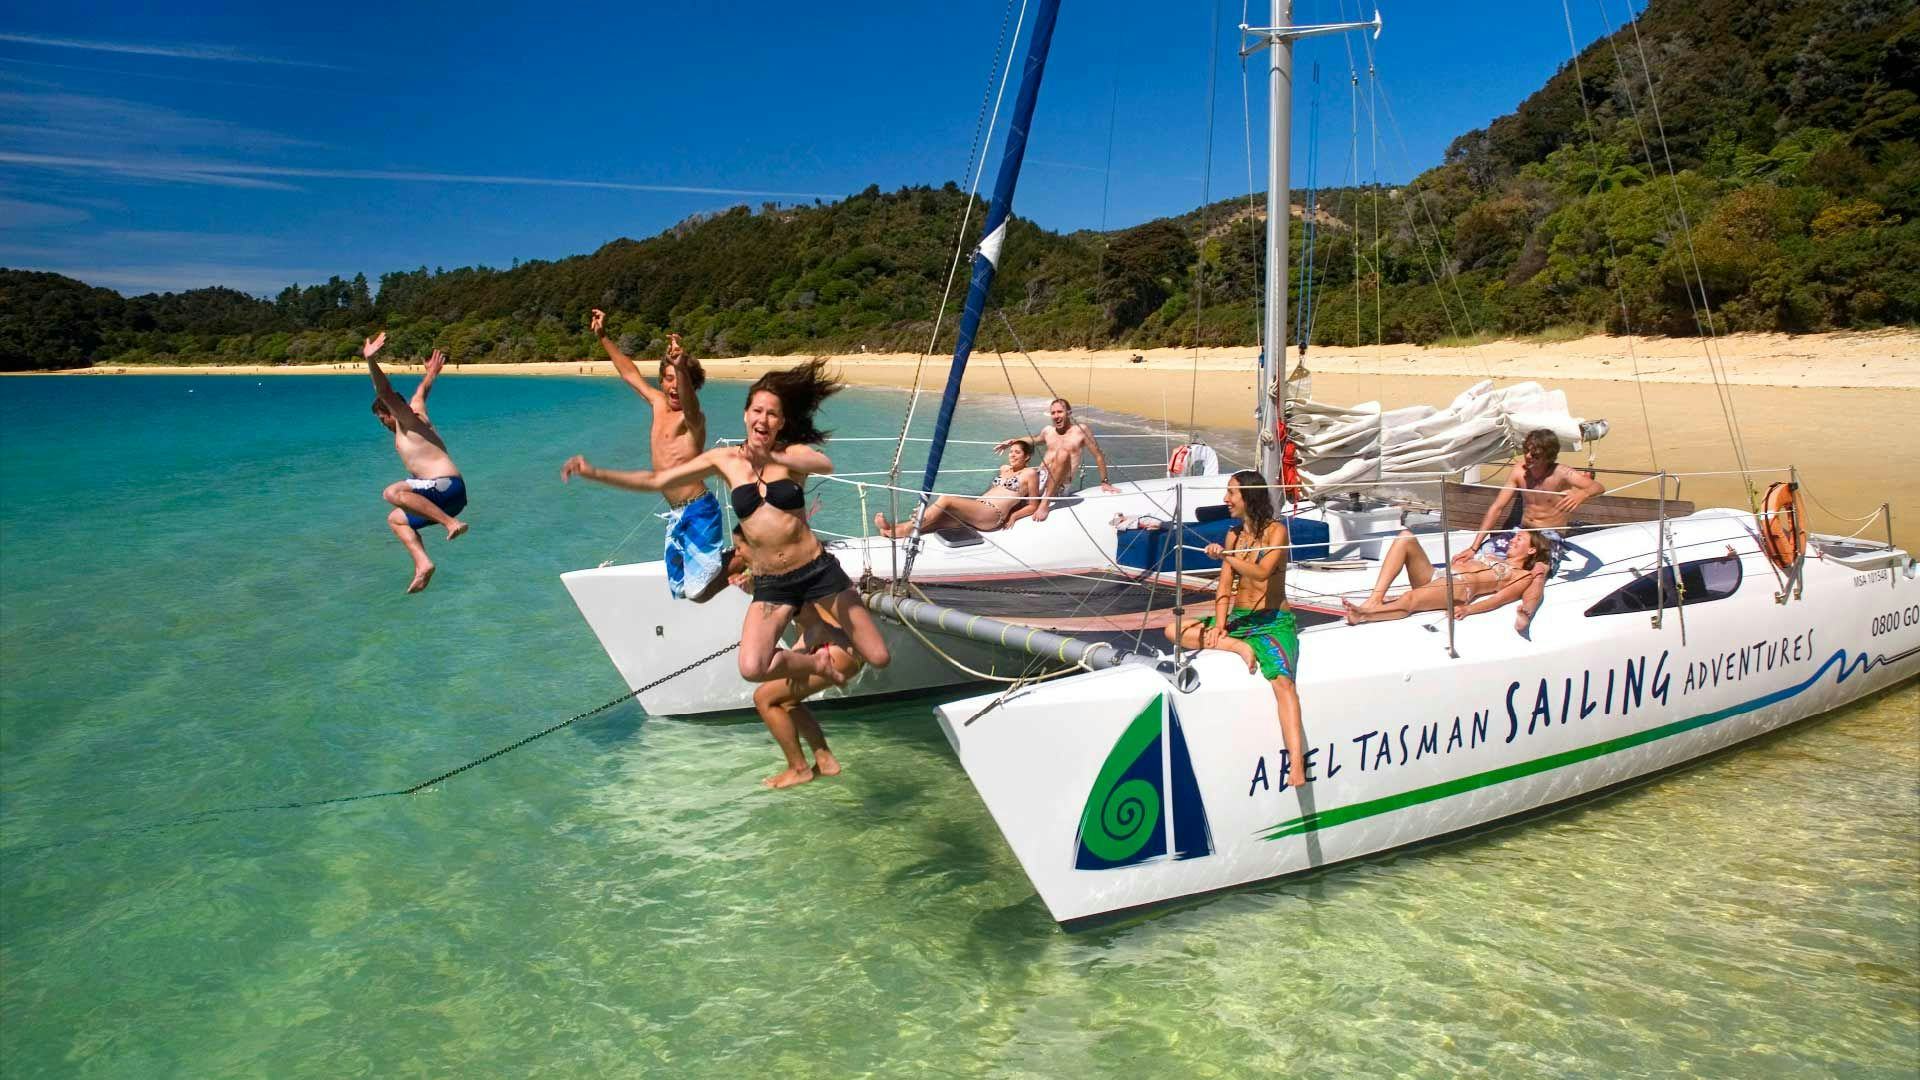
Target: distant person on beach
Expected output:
[1549,493]
[1251,617]
[767,477]
[679,435]
[1060,449]
[1481,582]
[1015,488]
[781,703]
[434,491]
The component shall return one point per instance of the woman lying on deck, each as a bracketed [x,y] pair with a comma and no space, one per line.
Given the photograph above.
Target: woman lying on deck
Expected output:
[987,511]
[1478,584]
[791,571]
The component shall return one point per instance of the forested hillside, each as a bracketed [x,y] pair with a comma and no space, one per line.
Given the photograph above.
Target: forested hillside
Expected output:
[1780,177]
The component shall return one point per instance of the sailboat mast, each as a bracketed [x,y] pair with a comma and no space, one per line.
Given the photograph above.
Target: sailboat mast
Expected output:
[994,234]
[1273,339]
[1278,39]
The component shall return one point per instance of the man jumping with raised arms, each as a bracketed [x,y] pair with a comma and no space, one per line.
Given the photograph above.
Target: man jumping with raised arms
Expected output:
[435,492]
[679,435]
[1060,448]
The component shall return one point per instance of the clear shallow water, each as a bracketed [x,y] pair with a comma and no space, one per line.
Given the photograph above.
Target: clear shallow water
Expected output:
[200,608]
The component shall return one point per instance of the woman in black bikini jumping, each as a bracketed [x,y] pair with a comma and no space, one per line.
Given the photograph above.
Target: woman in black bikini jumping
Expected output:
[987,511]
[791,571]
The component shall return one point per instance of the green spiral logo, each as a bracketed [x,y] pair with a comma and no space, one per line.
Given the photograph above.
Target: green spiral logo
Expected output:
[1127,813]
[1125,806]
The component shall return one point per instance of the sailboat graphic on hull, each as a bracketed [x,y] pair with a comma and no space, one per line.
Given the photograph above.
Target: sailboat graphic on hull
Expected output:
[1145,803]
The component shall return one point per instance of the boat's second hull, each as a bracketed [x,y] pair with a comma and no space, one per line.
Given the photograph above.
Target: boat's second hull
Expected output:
[1116,791]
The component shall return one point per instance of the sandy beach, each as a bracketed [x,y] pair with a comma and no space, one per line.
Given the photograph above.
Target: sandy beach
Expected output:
[1839,406]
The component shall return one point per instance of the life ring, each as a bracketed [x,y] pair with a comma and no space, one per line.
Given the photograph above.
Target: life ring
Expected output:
[1782,533]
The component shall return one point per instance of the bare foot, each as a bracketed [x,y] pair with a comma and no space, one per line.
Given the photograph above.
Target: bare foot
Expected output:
[825,763]
[456,528]
[1353,613]
[790,778]
[420,578]
[824,665]
[880,525]
[1297,777]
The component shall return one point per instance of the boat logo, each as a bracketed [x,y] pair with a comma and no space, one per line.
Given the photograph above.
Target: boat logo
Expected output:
[1145,804]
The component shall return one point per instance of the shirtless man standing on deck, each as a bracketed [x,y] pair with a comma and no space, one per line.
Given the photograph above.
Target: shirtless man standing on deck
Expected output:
[679,435]
[1060,448]
[434,491]
[1549,492]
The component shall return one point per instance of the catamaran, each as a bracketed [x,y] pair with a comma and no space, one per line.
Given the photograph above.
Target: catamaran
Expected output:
[1125,775]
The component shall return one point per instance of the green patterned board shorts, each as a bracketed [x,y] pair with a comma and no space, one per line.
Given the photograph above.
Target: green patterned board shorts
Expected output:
[1274,635]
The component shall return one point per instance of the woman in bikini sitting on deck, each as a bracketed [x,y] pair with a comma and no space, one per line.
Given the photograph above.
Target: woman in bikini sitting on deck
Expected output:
[1478,584]
[1251,618]
[987,511]
[791,571]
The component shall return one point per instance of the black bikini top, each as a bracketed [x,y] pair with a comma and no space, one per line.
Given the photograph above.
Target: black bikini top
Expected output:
[780,494]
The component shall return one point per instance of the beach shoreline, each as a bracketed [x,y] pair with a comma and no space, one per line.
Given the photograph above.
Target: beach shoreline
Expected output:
[1787,396]
[1881,359]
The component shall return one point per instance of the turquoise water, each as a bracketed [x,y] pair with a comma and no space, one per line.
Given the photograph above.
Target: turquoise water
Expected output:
[200,608]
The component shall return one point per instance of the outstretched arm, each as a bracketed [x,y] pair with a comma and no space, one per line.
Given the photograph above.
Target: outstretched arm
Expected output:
[623,364]
[419,401]
[1099,458]
[640,479]
[382,389]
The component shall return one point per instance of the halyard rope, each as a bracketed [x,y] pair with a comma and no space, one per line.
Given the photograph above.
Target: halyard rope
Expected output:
[207,815]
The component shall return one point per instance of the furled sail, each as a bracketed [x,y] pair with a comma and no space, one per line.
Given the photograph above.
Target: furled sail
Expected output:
[1367,443]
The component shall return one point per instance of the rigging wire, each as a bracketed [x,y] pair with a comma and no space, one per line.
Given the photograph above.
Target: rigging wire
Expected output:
[1206,196]
[1703,314]
[1106,201]
[307,804]
[976,163]
[1613,258]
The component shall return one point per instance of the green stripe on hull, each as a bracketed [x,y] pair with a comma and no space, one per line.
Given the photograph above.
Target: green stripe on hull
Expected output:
[1341,815]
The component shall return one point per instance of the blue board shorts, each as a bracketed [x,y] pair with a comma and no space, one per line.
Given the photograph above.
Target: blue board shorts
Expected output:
[694,542]
[449,493]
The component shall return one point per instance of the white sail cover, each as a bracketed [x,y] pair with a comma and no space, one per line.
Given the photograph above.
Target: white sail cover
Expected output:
[1366,443]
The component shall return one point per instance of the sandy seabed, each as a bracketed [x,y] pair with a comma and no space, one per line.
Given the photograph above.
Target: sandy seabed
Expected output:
[1841,407]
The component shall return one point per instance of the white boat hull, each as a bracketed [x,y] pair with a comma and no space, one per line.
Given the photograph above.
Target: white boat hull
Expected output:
[648,634]
[1115,791]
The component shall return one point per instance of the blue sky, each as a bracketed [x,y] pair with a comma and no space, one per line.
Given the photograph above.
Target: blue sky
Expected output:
[253,145]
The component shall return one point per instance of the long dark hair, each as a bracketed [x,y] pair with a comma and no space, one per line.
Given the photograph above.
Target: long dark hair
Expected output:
[1259,499]
[800,390]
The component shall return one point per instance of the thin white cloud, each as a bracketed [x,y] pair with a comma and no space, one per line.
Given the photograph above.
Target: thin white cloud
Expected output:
[1064,165]
[168,172]
[68,123]
[239,174]
[178,52]
[22,214]
[332,87]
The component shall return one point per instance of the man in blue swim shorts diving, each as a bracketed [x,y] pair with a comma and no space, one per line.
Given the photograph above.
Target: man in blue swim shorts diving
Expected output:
[694,535]
[434,491]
